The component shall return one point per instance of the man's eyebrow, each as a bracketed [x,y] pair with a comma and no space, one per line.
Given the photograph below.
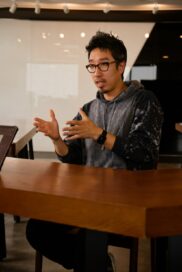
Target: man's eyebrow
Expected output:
[100,60]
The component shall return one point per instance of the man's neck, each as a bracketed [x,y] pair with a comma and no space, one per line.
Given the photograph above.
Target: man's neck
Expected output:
[109,96]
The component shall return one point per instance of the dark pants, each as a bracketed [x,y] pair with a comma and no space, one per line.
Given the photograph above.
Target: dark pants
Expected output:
[62,244]
[55,241]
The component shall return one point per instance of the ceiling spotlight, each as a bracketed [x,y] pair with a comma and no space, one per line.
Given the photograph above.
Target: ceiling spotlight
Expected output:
[107,8]
[155,8]
[82,34]
[37,7]
[146,35]
[66,9]
[13,7]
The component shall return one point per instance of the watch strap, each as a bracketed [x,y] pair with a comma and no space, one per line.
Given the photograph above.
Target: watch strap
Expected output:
[102,138]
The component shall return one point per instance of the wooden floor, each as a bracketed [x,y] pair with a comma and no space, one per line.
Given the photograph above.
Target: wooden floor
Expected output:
[21,257]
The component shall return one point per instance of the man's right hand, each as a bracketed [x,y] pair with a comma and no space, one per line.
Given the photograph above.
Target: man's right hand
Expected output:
[49,128]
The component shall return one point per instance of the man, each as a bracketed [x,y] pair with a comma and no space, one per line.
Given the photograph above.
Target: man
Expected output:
[121,128]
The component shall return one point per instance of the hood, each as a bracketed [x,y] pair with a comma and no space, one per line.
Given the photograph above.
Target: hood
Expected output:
[132,87]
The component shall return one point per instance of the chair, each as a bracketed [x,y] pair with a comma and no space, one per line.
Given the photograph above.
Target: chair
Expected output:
[113,240]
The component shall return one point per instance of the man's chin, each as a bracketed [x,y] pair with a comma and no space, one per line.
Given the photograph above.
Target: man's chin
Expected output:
[103,91]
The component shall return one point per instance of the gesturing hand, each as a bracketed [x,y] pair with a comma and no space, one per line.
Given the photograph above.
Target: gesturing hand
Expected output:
[49,128]
[79,129]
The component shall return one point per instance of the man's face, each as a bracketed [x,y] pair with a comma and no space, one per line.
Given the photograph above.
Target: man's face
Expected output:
[108,82]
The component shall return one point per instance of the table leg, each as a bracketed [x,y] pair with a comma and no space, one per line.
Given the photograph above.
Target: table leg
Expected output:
[159,247]
[175,254]
[31,153]
[2,237]
[91,251]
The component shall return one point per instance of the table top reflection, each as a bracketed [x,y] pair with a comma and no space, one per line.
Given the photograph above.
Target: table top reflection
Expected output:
[135,203]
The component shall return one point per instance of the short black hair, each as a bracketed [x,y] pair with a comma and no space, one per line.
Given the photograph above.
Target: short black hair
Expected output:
[108,41]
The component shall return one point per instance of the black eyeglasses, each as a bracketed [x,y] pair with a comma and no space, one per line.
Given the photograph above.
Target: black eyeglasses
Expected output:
[103,66]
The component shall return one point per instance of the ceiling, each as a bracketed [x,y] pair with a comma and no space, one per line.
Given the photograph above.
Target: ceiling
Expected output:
[93,10]
[108,5]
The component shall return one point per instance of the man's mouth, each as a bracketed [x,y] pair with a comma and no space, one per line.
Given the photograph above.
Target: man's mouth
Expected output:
[100,83]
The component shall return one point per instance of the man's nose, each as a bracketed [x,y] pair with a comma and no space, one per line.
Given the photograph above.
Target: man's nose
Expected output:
[97,70]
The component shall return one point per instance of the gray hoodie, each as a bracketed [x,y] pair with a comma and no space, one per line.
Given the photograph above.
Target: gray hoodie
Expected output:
[135,118]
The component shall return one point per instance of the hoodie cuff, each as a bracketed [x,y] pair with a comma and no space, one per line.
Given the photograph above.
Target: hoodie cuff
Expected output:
[118,147]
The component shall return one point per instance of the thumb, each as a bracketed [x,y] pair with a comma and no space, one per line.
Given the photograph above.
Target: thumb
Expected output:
[83,114]
[52,115]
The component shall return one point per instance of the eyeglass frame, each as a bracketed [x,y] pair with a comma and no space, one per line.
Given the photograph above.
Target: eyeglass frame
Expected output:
[99,66]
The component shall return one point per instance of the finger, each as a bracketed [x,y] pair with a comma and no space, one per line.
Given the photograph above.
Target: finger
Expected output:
[72,129]
[37,124]
[40,128]
[41,125]
[73,137]
[36,119]
[73,123]
[52,115]
[83,114]
[67,133]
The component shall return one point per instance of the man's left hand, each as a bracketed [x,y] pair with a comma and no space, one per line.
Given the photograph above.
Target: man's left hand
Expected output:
[81,129]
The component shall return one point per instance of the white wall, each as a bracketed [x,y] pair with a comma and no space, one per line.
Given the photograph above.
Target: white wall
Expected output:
[39,70]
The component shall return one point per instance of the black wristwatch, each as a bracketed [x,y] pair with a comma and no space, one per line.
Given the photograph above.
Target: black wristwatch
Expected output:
[102,137]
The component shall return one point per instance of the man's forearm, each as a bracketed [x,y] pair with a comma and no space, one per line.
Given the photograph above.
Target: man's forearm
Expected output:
[60,147]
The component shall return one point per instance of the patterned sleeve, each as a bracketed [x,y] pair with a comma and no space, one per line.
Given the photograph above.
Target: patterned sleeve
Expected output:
[140,148]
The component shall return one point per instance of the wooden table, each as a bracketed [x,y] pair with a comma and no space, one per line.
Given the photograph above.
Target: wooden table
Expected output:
[22,147]
[134,203]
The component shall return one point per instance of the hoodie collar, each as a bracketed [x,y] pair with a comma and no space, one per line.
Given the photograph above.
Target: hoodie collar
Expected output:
[132,87]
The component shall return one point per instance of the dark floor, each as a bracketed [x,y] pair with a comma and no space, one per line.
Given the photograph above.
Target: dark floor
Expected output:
[21,257]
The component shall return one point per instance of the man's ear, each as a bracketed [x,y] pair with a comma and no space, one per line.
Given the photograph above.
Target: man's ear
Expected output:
[122,66]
